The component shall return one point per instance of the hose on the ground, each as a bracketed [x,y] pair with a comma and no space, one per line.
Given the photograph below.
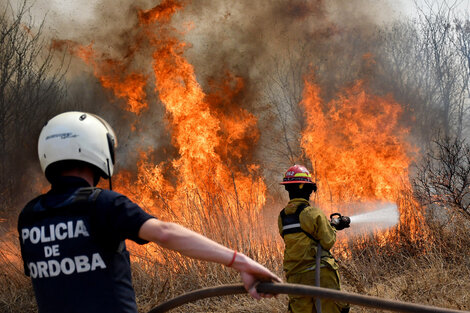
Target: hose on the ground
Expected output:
[302,290]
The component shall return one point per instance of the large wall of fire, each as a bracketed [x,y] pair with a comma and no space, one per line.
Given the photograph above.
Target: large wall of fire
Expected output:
[210,98]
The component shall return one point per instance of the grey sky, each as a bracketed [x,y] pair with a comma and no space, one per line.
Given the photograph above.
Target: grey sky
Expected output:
[408,7]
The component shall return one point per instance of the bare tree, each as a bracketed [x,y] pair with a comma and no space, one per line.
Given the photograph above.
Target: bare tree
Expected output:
[404,73]
[443,176]
[444,60]
[30,91]
[462,44]
[424,66]
[284,93]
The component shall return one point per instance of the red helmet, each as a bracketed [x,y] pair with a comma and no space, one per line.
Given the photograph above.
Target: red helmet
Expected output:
[297,174]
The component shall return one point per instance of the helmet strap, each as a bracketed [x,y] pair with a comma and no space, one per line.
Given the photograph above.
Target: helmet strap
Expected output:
[109,176]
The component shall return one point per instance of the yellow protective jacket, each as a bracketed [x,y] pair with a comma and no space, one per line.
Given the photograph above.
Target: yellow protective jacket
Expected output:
[300,250]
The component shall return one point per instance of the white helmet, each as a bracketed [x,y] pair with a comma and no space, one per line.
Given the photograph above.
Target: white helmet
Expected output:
[78,136]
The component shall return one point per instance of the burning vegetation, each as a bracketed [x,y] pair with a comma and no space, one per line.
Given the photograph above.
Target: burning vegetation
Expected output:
[354,142]
[235,110]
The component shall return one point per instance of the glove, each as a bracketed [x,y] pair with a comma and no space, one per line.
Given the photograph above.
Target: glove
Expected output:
[339,222]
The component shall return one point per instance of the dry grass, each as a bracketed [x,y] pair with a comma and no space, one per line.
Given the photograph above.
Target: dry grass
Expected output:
[435,272]
[16,294]
[438,276]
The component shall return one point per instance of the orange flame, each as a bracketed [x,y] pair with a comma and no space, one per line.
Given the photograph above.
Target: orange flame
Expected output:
[112,74]
[162,12]
[355,142]
[211,132]
[201,133]
[356,145]
[358,149]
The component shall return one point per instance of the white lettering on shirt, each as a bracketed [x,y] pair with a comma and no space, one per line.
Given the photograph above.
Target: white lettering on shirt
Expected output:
[82,263]
[50,233]
[97,261]
[66,266]
[60,231]
[55,267]
[80,229]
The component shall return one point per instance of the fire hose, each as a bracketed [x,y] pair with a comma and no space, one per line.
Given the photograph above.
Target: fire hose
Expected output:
[301,290]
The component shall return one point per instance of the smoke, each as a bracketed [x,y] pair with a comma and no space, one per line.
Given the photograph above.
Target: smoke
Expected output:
[250,38]
[245,37]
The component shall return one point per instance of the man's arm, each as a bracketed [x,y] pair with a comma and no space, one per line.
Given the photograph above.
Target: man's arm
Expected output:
[194,245]
[314,221]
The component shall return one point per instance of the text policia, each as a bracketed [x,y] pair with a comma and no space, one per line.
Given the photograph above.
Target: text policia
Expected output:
[54,233]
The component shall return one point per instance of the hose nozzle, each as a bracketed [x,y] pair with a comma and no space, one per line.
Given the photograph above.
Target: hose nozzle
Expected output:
[339,221]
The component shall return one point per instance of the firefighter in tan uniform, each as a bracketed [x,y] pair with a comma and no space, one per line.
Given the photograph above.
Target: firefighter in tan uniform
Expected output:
[302,228]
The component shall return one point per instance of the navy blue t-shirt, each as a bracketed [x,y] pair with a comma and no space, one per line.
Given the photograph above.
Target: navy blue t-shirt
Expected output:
[74,251]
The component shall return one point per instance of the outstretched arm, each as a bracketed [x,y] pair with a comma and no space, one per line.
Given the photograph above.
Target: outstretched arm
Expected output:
[194,245]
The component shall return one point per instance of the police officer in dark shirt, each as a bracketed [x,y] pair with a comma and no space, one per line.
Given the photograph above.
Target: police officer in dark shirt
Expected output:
[72,238]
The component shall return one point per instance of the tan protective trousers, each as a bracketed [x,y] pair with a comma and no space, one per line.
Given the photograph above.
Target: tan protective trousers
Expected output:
[329,278]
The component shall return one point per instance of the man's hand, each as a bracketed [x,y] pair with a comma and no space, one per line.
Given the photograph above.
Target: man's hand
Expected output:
[252,273]
[339,221]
